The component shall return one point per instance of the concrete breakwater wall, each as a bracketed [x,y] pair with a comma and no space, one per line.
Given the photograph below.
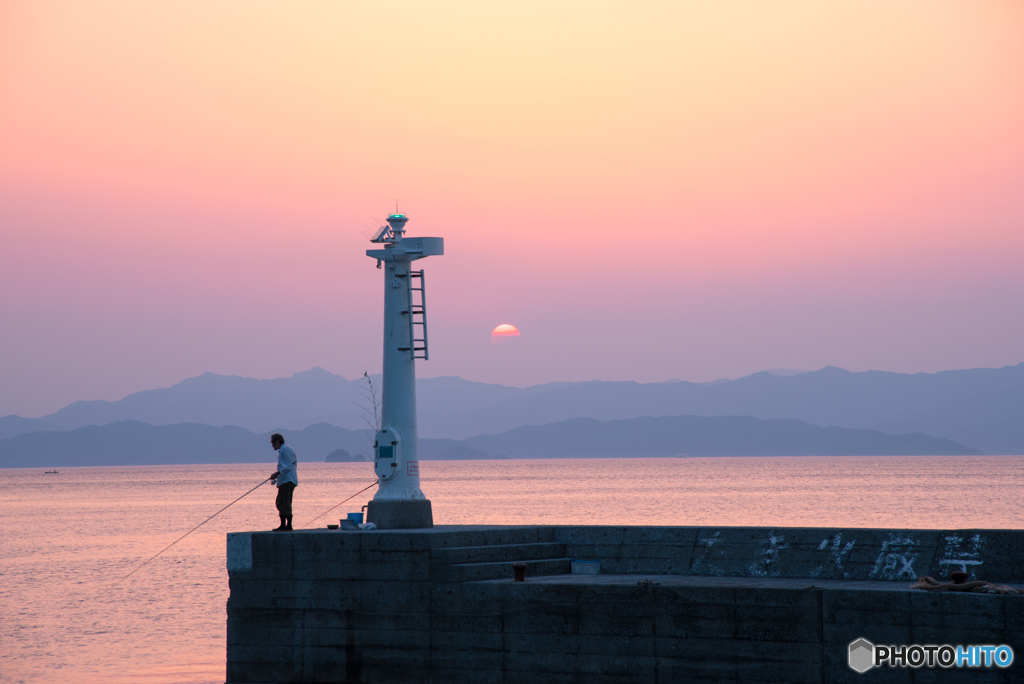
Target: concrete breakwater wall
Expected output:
[715,604]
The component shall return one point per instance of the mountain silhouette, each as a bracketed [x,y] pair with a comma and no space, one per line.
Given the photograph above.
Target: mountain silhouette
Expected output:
[978,407]
[705,436]
[135,443]
[16,425]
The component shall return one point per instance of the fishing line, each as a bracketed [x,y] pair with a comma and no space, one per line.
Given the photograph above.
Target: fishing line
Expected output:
[348,499]
[194,529]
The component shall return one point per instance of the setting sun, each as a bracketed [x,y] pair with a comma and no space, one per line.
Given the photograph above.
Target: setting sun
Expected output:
[505,330]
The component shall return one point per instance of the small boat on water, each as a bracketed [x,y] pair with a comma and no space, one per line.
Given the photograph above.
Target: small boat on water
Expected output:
[51,472]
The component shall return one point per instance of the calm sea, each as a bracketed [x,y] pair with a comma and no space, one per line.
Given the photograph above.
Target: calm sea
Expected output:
[68,538]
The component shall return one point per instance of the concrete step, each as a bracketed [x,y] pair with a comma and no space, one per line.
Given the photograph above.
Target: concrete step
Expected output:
[498,553]
[473,572]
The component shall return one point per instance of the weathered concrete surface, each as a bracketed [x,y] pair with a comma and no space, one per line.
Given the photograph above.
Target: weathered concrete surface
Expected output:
[730,604]
[403,514]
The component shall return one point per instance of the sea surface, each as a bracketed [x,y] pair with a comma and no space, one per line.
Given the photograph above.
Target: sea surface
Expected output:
[67,539]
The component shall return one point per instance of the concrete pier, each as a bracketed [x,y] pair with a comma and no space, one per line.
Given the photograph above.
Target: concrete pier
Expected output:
[671,604]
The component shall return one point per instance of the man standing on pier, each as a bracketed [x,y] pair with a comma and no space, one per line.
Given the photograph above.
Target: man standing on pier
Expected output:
[286,480]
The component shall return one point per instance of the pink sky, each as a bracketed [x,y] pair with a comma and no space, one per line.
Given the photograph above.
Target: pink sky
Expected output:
[647,191]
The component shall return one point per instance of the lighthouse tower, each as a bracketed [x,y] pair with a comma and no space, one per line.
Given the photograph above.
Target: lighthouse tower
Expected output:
[399,503]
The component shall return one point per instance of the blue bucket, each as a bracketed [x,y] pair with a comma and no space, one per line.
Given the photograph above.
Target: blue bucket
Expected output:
[584,567]
[356,518]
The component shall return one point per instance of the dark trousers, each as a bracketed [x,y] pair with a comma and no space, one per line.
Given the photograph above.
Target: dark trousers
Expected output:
[284,499]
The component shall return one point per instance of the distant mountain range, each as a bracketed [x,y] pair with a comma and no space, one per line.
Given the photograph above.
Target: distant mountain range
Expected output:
[982,408]
[304,399]
[705,436]
[136,443]
[16,425]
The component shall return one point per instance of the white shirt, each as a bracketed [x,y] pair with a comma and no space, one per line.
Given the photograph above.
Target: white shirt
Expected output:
[286,463]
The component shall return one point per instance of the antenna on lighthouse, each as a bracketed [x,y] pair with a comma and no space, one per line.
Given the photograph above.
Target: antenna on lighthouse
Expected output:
[399,502]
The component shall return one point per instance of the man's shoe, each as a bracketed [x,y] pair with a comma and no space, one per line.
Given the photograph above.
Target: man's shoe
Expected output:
[282,528]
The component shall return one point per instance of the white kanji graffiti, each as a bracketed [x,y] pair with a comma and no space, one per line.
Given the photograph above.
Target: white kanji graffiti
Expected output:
[896,559]
[838,554]
[961,552]
[767,563]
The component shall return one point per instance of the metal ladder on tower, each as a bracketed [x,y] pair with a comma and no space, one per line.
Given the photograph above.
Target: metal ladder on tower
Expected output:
[417,310]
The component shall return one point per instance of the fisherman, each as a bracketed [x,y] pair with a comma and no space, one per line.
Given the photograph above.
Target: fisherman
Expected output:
[286,481]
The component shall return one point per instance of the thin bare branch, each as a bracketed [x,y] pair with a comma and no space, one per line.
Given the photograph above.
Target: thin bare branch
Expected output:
[371,404]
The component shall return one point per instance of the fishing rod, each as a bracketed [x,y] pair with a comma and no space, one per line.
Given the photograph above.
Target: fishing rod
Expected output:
[193,530]
[335,506]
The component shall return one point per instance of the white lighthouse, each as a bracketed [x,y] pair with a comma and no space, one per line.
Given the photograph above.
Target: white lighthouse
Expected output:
[399,503]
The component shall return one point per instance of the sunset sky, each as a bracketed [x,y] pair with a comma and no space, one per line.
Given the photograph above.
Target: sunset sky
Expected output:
[646,190]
